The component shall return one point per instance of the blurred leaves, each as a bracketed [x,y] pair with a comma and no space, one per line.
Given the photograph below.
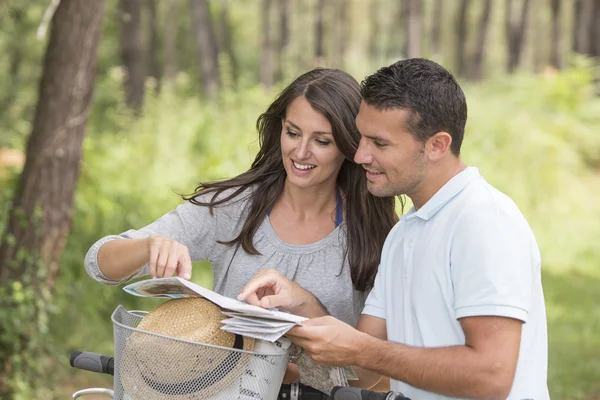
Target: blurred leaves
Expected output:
[534,137]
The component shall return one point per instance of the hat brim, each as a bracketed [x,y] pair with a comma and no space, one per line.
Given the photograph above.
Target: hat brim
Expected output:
[155,365]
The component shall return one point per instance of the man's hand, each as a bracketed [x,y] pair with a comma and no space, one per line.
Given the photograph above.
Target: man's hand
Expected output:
[269,289]
[328,340]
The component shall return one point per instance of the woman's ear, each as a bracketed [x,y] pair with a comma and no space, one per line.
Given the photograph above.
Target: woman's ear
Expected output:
[438,145]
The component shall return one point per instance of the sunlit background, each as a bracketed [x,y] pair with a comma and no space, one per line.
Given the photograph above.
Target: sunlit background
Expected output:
[179,86]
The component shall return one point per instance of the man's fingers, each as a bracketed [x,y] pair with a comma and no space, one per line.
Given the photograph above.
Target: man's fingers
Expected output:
[252,299]
[299,338]
[272,301]
[317,321]
[254,285]
[301,332]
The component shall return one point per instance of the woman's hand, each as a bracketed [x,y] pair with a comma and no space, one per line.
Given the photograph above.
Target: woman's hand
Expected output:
[168,257]
[270,289]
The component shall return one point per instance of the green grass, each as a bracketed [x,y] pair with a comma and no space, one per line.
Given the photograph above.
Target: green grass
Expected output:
[534,138]
[572,305]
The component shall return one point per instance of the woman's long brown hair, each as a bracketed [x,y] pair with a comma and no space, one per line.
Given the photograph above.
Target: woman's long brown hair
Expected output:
[336,95]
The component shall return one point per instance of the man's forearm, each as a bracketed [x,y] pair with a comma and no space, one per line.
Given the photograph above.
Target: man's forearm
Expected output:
[367,379]
[457,371]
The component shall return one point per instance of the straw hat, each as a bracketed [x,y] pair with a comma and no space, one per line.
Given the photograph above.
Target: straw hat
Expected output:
[161,367]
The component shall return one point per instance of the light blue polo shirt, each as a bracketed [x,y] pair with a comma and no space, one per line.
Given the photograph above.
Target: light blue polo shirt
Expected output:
[467,252]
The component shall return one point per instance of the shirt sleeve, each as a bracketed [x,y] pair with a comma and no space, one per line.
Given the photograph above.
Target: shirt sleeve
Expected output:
[493,261]
[189,224]
[375,303]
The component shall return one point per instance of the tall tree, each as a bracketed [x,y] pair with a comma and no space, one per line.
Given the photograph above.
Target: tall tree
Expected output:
[340,32]
[153,46]
[320,34]
[436,28]
[461,37]
[132,51]
[538,52]
[170,48]
[266,64]
[580,26]
[594,30]
[396,44]
[227,40]
[39,220]
[515,32]
[484,23]
[414,28]
[375,26]
[284,37]
[206,47]
[555,58]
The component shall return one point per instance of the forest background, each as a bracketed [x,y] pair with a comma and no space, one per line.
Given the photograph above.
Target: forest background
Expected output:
[110,108]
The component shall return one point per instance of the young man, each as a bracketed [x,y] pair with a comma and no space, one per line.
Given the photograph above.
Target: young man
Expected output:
[457,308]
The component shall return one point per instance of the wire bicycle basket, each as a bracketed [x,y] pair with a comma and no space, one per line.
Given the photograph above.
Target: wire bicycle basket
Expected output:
[153,366]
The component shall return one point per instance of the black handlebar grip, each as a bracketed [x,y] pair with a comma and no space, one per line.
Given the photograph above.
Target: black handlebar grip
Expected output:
[92,362]
[349,393]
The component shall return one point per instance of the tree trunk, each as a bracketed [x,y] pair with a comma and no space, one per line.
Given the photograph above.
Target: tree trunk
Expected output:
[206,47]
[153,44]
[580,27]
[341,33]
[461,37]
[594,30]
[227,41]
[266,64]
[171,24]
[436,28]
[396,43]
[284,37]
[413,29]
[539,36]
[484,23]
[132,51]
[515,32]
[320,34]
[40,217]
[555,59]
[375,27]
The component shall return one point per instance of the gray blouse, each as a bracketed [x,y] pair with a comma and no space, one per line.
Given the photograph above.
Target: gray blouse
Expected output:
[321,267]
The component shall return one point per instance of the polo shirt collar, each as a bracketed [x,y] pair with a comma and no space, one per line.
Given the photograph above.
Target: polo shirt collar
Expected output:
[453,187]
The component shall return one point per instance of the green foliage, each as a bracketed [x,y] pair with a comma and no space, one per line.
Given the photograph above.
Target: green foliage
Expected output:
[25,337]
[132,172]
[20,66]
[535,138]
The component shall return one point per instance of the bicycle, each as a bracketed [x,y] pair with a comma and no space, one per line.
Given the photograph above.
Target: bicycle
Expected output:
[151,366]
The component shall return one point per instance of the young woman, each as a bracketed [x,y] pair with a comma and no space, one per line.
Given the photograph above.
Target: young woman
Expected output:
[303,209]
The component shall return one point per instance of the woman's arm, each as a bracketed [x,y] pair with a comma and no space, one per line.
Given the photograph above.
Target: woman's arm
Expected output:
[120,259]
[166,246]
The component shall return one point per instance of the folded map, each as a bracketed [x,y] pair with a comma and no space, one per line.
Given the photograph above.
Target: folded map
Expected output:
[243,318]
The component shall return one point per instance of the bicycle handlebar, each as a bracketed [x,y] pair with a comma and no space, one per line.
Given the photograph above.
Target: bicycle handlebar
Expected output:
[349,393]
[92,362]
